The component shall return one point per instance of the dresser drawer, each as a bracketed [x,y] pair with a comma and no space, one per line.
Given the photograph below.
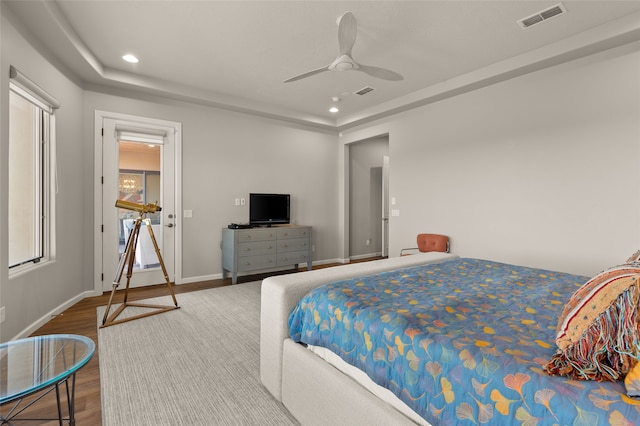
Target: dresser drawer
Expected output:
[297,244]
[256,248]
[293,257]
[251,263]
[255,235]
[287,233]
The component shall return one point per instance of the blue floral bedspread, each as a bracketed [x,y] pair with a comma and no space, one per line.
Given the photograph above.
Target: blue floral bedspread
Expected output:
[461,342]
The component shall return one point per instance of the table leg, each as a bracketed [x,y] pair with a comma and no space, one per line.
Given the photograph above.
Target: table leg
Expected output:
[58,401]
[71,400]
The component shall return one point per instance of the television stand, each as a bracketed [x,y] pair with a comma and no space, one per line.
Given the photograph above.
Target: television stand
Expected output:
[261,249]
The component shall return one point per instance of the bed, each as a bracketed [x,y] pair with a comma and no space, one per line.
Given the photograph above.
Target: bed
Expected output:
[477,354]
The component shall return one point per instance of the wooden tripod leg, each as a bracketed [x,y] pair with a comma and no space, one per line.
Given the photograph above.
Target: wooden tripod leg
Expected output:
[131,259]
[127,259]
[164,269]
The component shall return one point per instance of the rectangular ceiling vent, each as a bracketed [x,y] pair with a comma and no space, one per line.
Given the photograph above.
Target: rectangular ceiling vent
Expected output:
[543,15]
[364,91]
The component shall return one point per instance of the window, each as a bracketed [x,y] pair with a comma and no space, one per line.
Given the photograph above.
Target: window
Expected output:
[31,124]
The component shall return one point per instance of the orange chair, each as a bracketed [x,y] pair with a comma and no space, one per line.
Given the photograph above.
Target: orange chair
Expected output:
[429,242]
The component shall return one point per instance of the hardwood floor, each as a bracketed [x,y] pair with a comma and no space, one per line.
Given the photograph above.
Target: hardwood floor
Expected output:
[81,319]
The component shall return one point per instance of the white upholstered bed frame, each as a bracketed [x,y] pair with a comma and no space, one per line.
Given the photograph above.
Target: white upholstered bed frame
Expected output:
[315,392]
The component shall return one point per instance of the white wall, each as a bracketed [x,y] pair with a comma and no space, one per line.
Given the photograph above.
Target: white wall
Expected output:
[540,170]
[227,155]
[32,295]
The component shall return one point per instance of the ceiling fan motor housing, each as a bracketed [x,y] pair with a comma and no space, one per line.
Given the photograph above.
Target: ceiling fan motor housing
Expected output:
[344,63]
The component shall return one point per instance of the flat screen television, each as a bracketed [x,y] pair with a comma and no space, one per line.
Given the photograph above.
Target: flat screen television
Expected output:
[269,209]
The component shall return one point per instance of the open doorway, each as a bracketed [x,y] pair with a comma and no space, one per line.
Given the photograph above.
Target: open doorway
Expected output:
[368,171]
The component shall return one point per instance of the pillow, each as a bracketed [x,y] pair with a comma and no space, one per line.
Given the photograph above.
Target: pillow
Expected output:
[598,334]
[632,381]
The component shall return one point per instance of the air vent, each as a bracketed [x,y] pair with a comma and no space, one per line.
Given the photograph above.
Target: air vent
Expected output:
[364,91]
[543,15]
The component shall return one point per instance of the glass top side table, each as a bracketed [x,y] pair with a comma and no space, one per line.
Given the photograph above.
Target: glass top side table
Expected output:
[41,363]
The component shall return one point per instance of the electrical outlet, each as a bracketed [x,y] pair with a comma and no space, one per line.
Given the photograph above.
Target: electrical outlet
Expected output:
[237,201]
[2,314]
[369,242]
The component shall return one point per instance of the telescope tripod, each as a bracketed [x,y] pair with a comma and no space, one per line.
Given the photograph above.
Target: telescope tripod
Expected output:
[128,259]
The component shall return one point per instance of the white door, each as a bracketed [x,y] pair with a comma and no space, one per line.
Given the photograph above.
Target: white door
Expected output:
[138,166]
[385,206]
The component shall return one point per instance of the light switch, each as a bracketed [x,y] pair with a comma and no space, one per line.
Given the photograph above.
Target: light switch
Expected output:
[188,213]
[395,212]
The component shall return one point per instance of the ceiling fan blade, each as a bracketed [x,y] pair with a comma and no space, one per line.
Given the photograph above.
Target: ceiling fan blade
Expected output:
[380,73]
[307,74]
[347,32]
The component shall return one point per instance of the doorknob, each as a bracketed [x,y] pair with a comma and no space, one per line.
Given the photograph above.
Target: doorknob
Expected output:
[170,225]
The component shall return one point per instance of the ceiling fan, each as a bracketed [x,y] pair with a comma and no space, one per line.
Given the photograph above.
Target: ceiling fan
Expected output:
[347,31]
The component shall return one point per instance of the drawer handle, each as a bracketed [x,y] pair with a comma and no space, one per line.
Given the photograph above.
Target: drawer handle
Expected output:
[247,249]
[247,263]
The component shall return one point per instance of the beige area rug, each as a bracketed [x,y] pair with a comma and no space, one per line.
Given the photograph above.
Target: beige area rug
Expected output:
[198,365]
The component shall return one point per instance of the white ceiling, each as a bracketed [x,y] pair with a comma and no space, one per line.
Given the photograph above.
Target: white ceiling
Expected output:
[236,54]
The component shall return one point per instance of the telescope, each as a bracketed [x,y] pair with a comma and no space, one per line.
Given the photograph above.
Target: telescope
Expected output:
[141,208]
[128,259]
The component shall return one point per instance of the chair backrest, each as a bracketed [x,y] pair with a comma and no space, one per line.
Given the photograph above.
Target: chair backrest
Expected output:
[433,242]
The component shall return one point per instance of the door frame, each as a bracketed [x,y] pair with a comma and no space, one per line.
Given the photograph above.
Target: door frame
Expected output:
[385,206]
[345,196]
[99,116]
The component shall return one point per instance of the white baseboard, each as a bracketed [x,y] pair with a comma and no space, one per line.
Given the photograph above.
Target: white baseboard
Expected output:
[330,261]
[54,312]
[199,279]
[365,256]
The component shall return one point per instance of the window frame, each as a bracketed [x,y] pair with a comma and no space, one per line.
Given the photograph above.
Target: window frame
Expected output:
[44,180]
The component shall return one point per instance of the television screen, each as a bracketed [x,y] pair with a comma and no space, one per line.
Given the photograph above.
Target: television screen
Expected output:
[268,209]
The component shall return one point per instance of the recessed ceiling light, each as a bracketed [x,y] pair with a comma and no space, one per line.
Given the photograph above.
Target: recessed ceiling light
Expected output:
[130,58]
[334,108]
